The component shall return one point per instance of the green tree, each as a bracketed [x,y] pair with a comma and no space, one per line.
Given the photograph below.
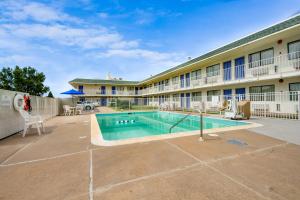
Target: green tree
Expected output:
[6,79]
[50,95]
[26,79]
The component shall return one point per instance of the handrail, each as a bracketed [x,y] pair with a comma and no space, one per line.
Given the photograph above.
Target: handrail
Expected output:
[179,122]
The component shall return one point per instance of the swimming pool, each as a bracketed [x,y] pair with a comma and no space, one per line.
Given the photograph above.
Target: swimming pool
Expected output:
[123,126]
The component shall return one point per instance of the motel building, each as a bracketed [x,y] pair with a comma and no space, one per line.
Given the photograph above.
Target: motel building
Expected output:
[263,67]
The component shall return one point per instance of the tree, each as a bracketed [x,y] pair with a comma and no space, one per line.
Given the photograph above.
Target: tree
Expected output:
[26,79]
[50,95]
[6,79]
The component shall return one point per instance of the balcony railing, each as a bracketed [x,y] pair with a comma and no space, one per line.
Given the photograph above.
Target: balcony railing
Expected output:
[275,67]
[98,92]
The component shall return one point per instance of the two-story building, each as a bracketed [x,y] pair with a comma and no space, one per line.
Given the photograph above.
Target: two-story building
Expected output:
[265,62]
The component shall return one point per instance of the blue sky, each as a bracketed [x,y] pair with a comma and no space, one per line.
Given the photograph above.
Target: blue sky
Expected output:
[131,39]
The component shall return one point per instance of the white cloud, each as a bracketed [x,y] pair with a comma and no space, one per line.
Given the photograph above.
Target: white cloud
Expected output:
[139,53]
[19,10]
[40,35]
[86,38]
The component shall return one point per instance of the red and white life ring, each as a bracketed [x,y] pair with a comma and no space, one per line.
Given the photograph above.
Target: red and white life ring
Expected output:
[19,102]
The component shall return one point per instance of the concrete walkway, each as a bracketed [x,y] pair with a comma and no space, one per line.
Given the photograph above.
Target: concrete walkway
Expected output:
[287,130]
[62,164]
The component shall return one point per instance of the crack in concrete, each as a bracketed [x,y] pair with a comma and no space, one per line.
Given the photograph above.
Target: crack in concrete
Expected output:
[110,186]
[91,175]
[43,159]
[207,164]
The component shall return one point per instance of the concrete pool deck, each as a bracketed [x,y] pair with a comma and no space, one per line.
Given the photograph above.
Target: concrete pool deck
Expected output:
[62,164]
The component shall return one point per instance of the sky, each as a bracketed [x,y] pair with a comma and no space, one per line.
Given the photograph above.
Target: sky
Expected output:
[132,39]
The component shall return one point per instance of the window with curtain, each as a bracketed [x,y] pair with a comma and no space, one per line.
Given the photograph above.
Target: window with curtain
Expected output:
[196,74]
[254,60]
[267,57]
[294,88]
[212,93]
[196,96]
[80,88]
[261,58]
[213,70]
[258,93]
[294,50]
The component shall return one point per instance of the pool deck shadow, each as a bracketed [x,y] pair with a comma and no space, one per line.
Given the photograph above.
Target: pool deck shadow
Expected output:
[62,164]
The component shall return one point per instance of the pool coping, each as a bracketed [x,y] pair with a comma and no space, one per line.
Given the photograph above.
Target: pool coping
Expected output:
[97,139]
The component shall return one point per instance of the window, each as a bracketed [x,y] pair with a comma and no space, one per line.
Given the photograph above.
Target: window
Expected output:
[130,88]
[161,85]
[167,82]
[239,69]
[227,71]
[258,93]
[102,90]
[294,89]
[212,93]
[196,74]
[120,88]
[240,93]
[175,80]
[182,81]
[227,94]
[294,50]
[196,96]
[213,70]
[80,88]
[113,89]
[187,80]
[261,58]
[176,97]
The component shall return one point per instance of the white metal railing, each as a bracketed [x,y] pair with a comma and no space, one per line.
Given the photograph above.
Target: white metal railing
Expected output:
[98,92]
[285,64]
[284,105]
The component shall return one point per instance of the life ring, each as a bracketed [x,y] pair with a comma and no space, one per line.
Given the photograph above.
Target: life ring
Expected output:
[19,102]
[27,107]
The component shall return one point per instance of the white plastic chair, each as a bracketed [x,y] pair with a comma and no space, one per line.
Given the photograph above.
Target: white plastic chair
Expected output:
[31,120]
[78,110]
[67,110]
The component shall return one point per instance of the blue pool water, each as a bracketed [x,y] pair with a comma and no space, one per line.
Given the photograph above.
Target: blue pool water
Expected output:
[118,126]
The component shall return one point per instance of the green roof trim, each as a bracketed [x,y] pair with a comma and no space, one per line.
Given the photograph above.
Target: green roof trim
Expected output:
[258,35]
[103,81]
[245,40]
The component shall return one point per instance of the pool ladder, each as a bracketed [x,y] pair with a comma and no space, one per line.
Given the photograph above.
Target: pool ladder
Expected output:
[178,122]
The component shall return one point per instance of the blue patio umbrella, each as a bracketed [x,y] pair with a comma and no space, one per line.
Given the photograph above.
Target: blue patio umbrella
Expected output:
[72,92]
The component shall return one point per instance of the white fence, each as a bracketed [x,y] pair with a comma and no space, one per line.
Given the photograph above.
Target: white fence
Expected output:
[10,119]
[284,105]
